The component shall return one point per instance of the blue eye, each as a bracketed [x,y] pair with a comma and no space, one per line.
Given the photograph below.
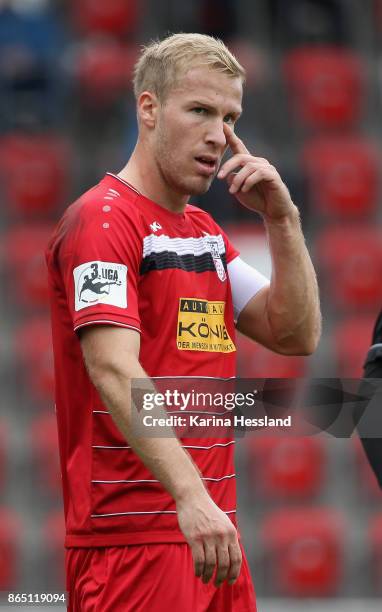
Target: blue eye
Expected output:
[199,110]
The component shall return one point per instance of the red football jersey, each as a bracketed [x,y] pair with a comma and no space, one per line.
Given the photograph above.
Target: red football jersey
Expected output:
[118,258]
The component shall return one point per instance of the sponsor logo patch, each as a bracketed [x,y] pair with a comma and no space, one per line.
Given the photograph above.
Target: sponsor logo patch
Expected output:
[100,282]
[201,327]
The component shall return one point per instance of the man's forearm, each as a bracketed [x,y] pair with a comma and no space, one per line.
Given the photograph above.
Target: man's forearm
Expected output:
[168,461]
[111,358]
[293,304]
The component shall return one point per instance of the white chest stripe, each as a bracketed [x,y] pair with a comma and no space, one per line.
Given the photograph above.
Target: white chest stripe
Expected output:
[182,246]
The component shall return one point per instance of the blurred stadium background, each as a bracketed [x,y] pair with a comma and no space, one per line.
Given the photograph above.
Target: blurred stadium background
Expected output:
[310,510]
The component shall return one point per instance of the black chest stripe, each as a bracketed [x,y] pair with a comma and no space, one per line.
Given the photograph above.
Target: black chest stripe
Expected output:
[190,263]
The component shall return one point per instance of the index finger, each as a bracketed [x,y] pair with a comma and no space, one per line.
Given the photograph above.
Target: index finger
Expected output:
[235,144]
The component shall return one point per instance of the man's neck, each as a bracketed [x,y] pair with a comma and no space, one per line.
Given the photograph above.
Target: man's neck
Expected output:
[142,172]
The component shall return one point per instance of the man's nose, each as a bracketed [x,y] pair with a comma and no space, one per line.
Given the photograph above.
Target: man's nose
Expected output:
[215,134]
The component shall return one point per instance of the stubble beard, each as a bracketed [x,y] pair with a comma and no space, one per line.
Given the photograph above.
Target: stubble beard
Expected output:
[172,173]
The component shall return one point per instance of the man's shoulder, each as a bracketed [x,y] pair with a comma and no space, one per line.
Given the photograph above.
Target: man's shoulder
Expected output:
[97,210]
[101,204]
[104,198]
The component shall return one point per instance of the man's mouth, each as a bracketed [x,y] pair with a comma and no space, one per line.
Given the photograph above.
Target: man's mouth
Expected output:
[208,164]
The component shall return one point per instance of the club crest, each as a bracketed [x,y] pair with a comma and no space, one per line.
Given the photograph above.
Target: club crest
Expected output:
[213,246]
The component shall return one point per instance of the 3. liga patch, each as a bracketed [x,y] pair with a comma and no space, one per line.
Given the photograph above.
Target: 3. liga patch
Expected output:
[100,282]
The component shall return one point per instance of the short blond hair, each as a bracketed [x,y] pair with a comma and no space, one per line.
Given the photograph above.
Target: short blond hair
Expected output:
[162,61]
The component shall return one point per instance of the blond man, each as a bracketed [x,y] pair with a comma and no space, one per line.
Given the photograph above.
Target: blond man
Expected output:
[151,522]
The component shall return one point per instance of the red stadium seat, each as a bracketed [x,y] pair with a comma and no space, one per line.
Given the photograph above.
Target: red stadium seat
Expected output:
[352,338]
[113,16]
[286,467]
[342,175]
[351,259]
[303,549]
[34,172]
[44,443]
[33,346]
[9,543]
[24,252]
[255,361]
[103,69]
[54,535]
[324,85]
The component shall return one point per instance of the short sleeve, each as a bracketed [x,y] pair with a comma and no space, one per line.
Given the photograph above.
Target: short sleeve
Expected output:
[99,263]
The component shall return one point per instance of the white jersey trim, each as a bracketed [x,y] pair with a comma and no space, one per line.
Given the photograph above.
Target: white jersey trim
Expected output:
[245,283]
[218,444]
[107,321]
[110,447]
[123,181]
[147,512]
[209,478]
[121,481]
[209,377]
[209,447]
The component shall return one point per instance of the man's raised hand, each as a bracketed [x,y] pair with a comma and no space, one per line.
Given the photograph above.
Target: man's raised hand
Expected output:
[257,184]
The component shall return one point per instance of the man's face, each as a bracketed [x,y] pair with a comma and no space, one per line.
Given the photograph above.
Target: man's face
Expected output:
[189,141]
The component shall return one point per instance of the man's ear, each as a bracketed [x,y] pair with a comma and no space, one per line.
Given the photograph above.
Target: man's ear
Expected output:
[147,107]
